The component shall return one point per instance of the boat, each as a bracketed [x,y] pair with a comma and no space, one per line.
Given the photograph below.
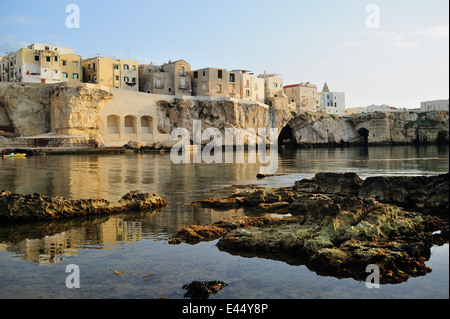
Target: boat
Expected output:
[18,155]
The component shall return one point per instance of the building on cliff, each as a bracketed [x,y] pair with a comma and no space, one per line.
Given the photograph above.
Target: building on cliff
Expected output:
[215,82]
[120,74]
[273,91]
[251,86]
[171,78]
[373,108]
[331,102]
[41,63]
[303,95]
[436,105]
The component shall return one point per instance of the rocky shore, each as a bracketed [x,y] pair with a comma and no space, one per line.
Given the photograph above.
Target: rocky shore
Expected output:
[338,224]
[35,207]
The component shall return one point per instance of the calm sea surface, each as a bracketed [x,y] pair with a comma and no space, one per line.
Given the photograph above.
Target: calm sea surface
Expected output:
[127,256]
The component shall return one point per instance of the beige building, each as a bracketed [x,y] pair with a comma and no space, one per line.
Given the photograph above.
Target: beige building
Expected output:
[41,63]
[252,87]
[122,73]
[215,82]
[169,79]
[303,95]
[273,90]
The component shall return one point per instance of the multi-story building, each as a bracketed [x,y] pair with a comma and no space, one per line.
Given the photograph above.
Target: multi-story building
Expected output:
[331,102]
[303,95]
[436,105]
[170,78]
[252,87]
[41,63]
[273,90]
[209,82]
[122,73]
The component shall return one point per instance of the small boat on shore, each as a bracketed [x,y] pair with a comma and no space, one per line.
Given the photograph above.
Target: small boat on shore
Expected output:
[18,155]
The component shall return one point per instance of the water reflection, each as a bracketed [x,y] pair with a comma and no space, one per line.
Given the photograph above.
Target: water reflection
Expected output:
[52,242]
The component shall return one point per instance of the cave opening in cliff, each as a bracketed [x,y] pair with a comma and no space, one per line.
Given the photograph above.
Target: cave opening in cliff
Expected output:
[364,135]
[286,136]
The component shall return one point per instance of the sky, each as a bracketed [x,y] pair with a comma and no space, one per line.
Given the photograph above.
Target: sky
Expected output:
[393,52]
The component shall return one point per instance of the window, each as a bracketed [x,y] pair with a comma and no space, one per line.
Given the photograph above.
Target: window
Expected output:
[126,79]
[47,58]
[65,75]
[183,70]
[204,73]
[232,77]
[170,90]
[94,77]
[117,78]
[116,67]
[134,67]
[56,59]
[220,74]
[133,80]
[75,76]
[195,75]
[158,84]
[183,83]
[126,67]
[75,64]
[220,88]
[89,66]
[275,85]
[93,66]
[64,62]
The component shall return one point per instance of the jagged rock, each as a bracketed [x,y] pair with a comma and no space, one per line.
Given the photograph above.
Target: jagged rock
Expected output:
[16,207]
[339,224]
[202,289]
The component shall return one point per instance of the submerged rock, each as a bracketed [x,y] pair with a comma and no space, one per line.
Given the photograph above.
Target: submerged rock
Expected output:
[202,289]
[16,207]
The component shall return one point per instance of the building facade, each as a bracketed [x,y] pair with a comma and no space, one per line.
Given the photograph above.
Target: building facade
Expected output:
[273,91]
[171,78]
[41,63]
[331,102]
[436,105]
[122,73]
[251,86]
[303,95]
[212,82]
[373,108]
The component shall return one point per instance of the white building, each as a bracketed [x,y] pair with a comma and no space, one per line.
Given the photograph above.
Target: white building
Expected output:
[331,102]
[437,105]
[373,108]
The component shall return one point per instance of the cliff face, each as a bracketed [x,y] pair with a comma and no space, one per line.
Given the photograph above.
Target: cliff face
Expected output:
[38,109]
[78,110]
[27,108]
[374,128]
[220,115]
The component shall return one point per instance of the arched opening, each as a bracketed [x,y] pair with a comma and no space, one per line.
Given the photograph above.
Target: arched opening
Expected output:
[130,124]
[286,136]
[147,125]
[364,135]
[113,124]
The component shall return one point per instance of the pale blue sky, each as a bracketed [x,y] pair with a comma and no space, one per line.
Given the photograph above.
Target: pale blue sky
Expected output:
[402,63]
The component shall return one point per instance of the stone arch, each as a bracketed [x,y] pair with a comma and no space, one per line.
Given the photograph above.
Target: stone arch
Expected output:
[113,124]
[147,124]
[363,134]
[286,136]
[130,124]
